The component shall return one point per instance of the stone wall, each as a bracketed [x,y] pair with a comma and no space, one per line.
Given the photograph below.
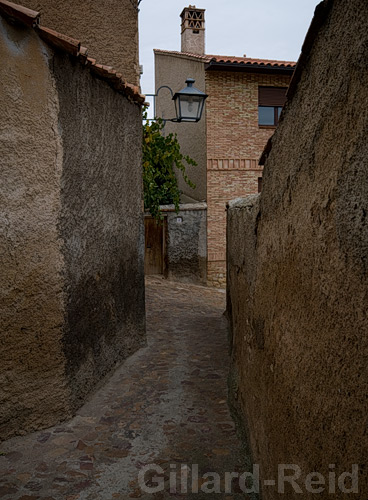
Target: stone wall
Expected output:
[109,29]
[297,270]
[186,244]
[72,284]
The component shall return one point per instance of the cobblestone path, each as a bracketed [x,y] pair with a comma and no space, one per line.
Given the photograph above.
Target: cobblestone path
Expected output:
[166,405]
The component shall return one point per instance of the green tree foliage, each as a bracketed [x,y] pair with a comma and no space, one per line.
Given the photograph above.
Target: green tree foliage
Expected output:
[161,156]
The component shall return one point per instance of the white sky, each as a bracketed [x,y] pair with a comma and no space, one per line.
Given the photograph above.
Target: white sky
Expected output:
[267,29]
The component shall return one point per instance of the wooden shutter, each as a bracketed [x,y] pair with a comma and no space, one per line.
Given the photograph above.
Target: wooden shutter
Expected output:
[271,96]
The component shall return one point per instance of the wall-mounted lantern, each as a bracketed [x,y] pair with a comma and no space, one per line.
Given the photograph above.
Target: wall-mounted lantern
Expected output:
[189,103]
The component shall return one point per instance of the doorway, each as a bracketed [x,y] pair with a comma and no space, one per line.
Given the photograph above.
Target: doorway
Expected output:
[155,246]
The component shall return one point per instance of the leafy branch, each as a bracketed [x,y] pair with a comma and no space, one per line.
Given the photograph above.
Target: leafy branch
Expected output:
[161,156]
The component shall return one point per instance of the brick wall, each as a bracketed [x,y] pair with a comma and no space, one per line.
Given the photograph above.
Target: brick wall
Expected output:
[234,145]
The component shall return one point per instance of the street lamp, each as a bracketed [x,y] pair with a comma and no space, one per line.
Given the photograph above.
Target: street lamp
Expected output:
[189,103]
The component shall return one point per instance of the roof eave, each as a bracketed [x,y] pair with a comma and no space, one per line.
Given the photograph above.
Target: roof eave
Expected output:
[182,55]
[18,13]
[249,68]
[68,45]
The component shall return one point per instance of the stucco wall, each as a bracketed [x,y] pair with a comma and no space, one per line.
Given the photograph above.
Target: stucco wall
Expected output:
[173,70]
[109,29]
[101,225]
[33,390]
[72,249]
[186,245]
[298,294]
[193,41]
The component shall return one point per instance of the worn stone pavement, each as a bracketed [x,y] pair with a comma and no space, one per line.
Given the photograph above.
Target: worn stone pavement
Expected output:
[166,405]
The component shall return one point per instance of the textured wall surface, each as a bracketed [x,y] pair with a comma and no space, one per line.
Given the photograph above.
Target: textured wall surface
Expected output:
[101,225]
[234,144]
[298,292]
[193,41]
[186,245]
[173,70]
[33,391]
[72,270]
[241,262]
[109,29]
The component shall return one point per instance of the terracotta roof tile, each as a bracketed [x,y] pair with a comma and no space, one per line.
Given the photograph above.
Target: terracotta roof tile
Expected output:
[73,47]
[251,61]
[19,13]
[83,55]
[60,41]
[204,58]
[116,80]
[91,61]
[230,59]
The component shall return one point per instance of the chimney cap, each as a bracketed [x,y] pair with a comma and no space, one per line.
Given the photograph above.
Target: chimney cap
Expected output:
[191,7]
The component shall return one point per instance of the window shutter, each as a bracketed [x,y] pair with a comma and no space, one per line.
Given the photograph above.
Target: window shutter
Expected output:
[271,96]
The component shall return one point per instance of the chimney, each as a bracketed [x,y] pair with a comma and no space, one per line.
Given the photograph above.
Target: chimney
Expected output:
[192,30]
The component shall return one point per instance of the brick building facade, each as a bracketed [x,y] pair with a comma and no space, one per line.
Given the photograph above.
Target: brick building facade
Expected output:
[229,140]
[234,144]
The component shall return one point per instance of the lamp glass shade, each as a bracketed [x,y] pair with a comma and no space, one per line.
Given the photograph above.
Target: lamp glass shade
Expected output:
[189,103]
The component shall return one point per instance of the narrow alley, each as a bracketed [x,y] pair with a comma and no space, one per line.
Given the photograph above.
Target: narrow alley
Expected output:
[166,405]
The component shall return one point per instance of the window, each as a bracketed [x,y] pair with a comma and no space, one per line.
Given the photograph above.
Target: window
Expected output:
[270,103]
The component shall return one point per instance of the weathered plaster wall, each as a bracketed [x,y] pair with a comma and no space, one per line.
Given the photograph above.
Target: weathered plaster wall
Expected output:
[297,283]
[173,70]
[241,259]
[193,41]
[186,245]
[109,29]
[101,225]
[72,269]
[33,391]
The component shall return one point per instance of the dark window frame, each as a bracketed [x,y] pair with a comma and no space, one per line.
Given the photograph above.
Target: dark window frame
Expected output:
[271,97]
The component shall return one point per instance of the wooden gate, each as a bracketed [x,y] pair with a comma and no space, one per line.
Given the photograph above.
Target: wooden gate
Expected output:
[155,247]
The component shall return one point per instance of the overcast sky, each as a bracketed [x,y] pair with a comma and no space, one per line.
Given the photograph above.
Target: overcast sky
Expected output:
[267,29]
